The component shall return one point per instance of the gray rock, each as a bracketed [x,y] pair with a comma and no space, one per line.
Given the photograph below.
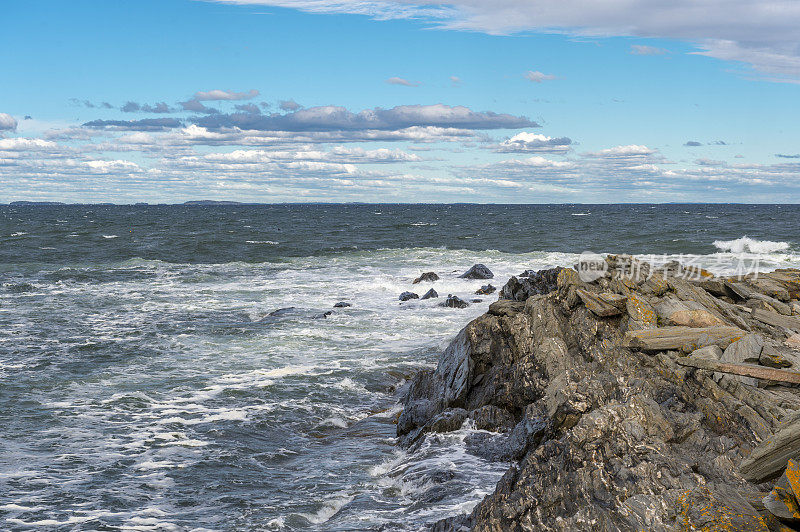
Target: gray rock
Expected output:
[342,304]
[534,283]
[430,294]
[478,271]
[485,290]
[454,302]
[405,296]
[427,276]
[747,350]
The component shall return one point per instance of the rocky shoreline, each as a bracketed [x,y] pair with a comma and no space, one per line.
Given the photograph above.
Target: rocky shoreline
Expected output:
[646,399]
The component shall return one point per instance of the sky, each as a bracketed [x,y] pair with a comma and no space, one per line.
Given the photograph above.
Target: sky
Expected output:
[509,101]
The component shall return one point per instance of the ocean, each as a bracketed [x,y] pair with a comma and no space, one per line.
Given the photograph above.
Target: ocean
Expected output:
[184,368]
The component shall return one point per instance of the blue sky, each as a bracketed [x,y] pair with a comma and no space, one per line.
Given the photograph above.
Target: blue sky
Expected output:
[519,101]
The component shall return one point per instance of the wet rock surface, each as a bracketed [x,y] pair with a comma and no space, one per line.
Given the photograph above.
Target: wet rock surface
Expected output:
[405,296]
[589,389]
[477,271]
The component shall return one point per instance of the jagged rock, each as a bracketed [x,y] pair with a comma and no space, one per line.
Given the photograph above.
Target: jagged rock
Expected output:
[613,438]
[617,300]
[430,294]
[771,358]
[795,308]
[594,303]
[793,341]
[768,459]
[710,352]
[405,296]
[716,287]
[485,290]
[490,417]
[427,276]
[505,307]
[454,302]
[342,304]
[535,283]
[747,349]
[782,501]
[449,420]
[722,509]
[641,313]
[478,271]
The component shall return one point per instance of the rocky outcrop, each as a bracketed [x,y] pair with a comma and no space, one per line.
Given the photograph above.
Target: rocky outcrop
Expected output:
[607,421]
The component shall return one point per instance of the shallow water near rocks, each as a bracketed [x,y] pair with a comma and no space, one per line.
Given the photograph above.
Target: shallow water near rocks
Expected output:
[148,383]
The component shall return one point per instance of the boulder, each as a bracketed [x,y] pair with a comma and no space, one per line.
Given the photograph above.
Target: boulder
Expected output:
[405,296]
[430,294]
[342,304]
[454,302]
[672,311]
[709,352]
[485,290]
[427,276]
[478,271]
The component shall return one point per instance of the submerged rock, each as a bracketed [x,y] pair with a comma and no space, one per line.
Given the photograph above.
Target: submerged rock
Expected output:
[342,304]
[478,271]
[485,290]
[405,296]
[454,302]
[427,276]
[584,388]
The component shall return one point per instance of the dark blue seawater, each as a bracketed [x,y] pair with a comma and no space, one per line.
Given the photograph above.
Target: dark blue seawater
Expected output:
[171,367]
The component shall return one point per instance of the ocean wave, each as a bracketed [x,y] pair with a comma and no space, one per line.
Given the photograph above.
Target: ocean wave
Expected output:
[747,244]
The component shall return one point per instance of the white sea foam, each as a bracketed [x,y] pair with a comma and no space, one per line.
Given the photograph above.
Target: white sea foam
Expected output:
[750,245]
[267,242]
[110,236]
[329,508]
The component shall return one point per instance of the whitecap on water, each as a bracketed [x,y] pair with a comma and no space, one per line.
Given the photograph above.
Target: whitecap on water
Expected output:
[746,244]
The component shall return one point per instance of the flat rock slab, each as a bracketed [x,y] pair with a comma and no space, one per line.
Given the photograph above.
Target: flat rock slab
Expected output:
[594,303]
[768,459]
[777,320]
[666,338]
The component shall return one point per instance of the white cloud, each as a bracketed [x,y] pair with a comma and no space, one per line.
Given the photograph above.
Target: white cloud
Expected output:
[631,150]
[217,94]
[641,49]
[761,33]
[538,77]
[533,142]
[7,122]
[401,81]
[19,144]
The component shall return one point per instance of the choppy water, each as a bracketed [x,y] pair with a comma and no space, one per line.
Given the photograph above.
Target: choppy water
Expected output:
[146,382]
